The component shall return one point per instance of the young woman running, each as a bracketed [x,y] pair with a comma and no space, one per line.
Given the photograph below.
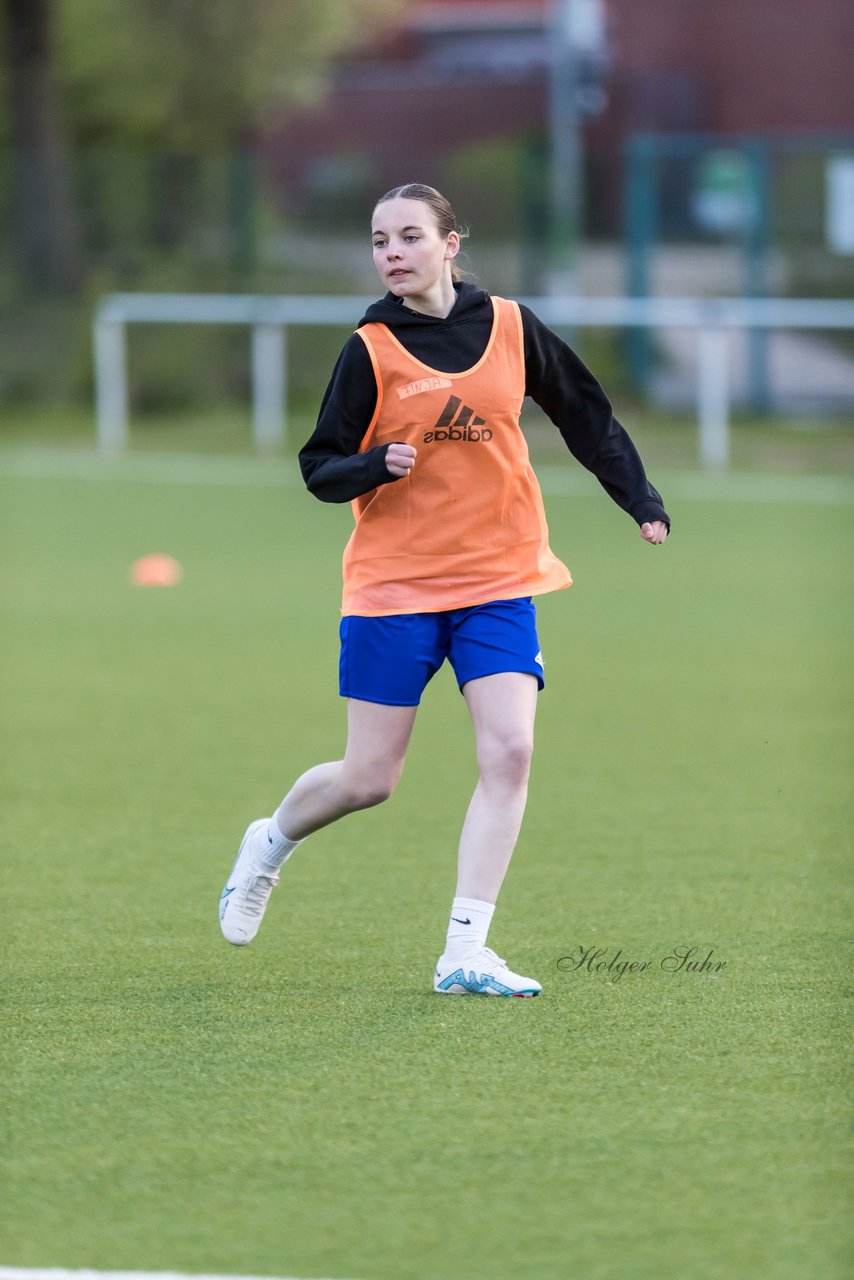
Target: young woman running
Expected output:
[419,429]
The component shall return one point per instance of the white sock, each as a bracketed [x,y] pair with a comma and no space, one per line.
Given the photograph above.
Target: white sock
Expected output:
[271,847]
[468,927]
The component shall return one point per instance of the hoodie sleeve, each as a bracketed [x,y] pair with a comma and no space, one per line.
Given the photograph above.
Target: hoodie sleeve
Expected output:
[572,398]
[331,465]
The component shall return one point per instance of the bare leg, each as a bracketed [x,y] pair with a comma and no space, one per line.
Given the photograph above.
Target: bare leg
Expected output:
[502,709]
[377,741]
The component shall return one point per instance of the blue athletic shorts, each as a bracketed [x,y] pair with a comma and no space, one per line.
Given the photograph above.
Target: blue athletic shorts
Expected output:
[391,659]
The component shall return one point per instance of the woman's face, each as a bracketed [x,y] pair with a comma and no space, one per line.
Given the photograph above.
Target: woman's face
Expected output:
[410,253]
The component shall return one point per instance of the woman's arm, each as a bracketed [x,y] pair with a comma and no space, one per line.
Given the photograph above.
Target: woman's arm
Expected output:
[331,465]
[568,393]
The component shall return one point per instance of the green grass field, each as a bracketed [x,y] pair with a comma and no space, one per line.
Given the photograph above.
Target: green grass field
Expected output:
[307,1106]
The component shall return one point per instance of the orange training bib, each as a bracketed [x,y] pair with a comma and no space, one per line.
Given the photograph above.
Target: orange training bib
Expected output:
[467,524]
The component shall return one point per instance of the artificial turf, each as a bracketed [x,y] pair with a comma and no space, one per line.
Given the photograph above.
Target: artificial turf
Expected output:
[307,1106]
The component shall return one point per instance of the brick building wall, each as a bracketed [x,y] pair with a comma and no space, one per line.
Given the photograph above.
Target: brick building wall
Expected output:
[735,66]
[755,65]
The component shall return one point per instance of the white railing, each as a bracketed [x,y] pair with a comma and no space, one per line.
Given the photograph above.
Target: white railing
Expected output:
[270,318]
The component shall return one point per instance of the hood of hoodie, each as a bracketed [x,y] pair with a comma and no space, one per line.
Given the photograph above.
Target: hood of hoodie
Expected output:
[470,304]
[452,343]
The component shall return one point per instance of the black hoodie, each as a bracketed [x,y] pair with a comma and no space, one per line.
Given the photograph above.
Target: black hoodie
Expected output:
[555,378]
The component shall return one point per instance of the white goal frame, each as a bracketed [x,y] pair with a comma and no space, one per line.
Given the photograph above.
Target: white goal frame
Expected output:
[269,319]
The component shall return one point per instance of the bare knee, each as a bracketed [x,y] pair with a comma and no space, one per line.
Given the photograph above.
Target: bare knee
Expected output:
[506,761]
[363,789]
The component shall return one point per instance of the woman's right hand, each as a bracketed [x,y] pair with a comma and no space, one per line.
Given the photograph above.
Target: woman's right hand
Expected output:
[400,459]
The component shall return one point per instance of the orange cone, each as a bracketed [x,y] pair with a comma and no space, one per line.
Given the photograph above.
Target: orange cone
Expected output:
[155,571]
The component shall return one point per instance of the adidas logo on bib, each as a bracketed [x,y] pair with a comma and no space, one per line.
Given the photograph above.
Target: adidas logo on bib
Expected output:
[459,421]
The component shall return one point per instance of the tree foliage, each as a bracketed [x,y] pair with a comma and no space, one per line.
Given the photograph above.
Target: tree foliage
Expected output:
[185,73]
[164,77]
[198,73]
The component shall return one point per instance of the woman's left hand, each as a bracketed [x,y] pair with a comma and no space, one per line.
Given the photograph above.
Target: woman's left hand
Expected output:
[654,532]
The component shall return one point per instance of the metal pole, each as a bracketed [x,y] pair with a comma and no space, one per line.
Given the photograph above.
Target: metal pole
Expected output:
[640,174]
[713,397]
[756,239]
[268,386]
[111,394]
[565,176]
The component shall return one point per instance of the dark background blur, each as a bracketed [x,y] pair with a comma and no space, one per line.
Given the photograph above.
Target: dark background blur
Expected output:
[210,145]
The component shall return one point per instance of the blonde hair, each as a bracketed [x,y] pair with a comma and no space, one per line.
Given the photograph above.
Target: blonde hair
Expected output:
[446,219]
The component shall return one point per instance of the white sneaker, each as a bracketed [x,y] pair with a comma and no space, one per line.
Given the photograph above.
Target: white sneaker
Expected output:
[481,974]
[244,899]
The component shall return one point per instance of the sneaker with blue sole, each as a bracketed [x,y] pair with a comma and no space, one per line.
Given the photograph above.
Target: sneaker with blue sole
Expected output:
[481,974]
[247,891]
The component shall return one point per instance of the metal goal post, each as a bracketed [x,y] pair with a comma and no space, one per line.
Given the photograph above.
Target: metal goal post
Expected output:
[270,317]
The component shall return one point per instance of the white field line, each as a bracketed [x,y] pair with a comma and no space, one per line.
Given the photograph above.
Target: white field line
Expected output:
[144,468]
[708,486]
[60,1273]
[277,473]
